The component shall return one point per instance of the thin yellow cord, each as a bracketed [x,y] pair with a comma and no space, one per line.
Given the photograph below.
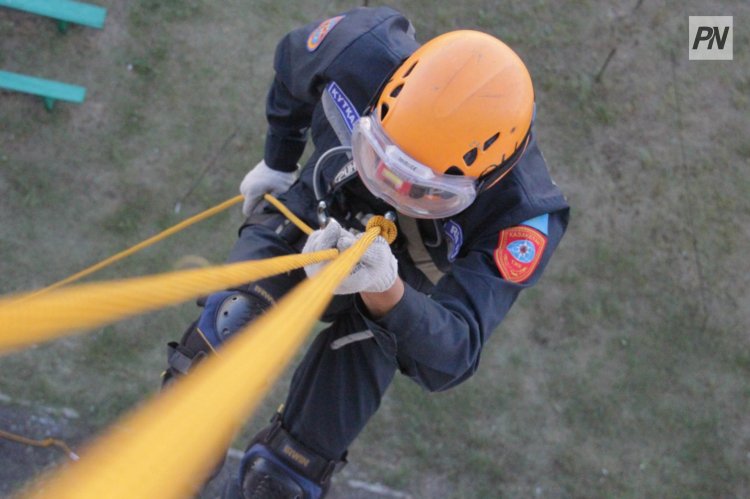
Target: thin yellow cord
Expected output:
[288,214]
[142,245]
[47,442]
[205,340]
[168,447]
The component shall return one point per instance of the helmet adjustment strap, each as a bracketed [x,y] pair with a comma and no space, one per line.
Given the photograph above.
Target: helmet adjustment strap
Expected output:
[489,179]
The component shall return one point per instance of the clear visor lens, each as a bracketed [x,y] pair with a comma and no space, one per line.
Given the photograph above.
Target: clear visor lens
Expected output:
[409,186]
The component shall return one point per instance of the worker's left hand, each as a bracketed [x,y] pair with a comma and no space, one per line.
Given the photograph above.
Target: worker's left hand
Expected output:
[375,272]
[260,180]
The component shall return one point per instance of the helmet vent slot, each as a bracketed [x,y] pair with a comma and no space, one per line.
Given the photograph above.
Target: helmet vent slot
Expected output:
[488,143]
[383,110]
[408,71]
[454,170]
[397,90]
[471,156]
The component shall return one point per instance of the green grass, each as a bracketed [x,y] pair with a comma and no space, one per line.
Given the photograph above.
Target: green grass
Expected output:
[623,374]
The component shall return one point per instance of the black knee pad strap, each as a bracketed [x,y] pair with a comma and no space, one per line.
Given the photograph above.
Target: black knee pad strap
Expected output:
[296,454]
[181,359]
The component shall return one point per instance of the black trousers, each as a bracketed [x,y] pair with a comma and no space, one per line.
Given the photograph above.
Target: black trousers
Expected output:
[339,384]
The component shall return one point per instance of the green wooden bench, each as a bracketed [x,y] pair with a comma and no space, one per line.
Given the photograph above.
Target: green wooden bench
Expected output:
[49,90]
[63,11]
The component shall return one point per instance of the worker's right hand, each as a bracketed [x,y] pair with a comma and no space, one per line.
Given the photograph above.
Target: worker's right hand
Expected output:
[261,180]
[376,271]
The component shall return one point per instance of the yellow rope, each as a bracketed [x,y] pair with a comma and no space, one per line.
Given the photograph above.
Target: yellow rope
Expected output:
[31,318]
[167,448]
[169,232]
[47,442]
[142,245]
[288,214]
[24,321]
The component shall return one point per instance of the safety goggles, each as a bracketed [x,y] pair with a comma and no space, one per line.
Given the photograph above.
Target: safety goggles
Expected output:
[412,188]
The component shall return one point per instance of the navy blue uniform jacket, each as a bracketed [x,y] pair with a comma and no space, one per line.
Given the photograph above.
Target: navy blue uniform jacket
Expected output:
[435,333]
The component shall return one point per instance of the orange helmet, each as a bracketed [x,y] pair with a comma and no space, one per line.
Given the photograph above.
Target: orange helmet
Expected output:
[461,104]
[446,125]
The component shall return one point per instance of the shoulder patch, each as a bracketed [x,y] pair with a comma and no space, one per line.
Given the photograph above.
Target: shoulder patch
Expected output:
[519,250]
[319,33]
[344,105]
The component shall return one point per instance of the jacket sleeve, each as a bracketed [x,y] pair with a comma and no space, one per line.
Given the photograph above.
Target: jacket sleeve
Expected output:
[437,339]
[289,106]
[303,68]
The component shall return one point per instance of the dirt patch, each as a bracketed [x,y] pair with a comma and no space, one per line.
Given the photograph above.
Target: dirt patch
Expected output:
[20,463]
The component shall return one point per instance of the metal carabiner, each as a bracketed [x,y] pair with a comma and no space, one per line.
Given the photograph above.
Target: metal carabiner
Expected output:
[323,217]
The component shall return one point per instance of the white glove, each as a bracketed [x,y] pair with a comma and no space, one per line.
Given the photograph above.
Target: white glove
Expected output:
[375,272]
[261,180]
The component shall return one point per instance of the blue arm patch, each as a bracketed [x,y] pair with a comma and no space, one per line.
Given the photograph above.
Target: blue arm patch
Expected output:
[346,108]
[540,223]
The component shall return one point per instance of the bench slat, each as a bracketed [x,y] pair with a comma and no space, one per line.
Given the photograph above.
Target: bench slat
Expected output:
[39,86]
[63,10]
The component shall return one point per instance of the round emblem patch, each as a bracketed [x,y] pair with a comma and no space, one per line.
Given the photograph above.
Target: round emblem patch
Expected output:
[319,33]
[519,250]
[523,250]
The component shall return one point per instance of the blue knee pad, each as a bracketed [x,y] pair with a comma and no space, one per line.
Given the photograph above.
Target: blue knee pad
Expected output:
[226,312]
[277,466]
[263,475]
